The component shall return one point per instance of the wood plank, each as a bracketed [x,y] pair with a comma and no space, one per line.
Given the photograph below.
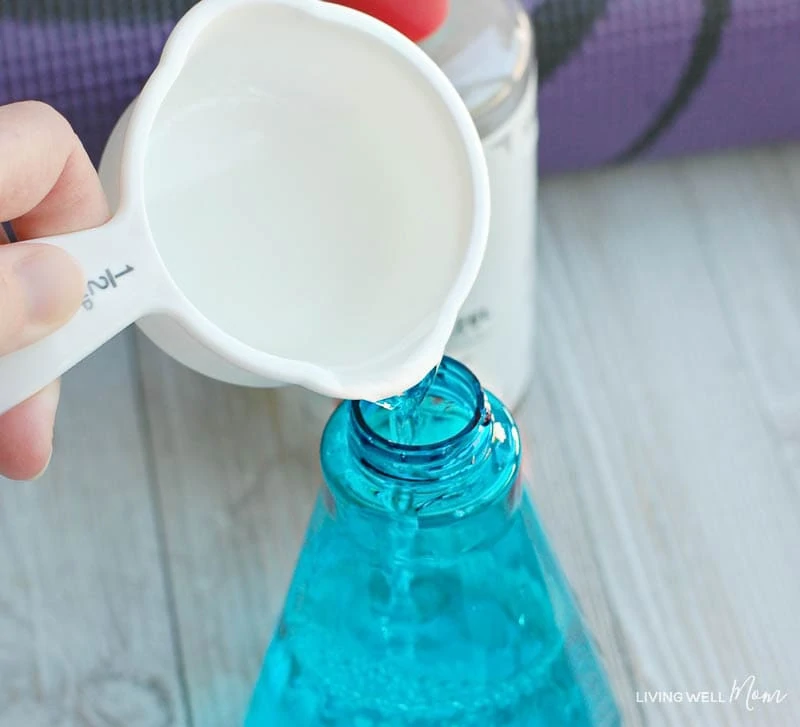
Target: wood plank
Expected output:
[85,635]
[237,479]
[657,475]
[757,275]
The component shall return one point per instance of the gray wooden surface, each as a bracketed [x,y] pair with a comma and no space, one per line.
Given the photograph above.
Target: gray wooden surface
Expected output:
[142,575]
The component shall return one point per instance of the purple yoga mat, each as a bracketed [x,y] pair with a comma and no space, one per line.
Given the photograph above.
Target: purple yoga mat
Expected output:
[619,79]
[652,78]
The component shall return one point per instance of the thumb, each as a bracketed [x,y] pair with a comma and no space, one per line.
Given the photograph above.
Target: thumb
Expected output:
[40,289]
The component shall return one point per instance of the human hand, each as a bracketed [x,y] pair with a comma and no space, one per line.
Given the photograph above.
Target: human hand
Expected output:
[47,186]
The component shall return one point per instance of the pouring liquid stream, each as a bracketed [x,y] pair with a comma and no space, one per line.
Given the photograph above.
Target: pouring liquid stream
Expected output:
[406,408]
[405,412]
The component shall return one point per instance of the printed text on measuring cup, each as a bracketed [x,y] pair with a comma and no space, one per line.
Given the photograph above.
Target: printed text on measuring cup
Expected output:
[107,281]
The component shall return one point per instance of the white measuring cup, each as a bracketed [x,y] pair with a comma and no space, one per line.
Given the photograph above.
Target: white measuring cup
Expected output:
[301,197]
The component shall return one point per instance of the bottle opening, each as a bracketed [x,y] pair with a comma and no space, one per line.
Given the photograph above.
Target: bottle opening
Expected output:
[441,411]
[455,452]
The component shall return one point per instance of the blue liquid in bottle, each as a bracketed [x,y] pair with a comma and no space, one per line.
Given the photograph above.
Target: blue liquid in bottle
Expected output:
[426,594]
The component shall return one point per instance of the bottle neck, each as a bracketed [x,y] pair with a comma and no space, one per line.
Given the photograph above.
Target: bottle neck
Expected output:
[429,438]
[461,458]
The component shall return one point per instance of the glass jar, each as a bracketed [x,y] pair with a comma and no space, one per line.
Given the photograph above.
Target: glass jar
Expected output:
[486,49]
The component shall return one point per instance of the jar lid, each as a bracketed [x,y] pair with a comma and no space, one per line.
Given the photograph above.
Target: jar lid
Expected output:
[416,19]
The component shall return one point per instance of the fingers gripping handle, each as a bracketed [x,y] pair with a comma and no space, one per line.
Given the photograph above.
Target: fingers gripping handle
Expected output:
[113,298]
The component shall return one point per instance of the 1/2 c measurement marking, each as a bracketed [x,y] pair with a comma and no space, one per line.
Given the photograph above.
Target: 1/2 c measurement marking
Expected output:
[107,280]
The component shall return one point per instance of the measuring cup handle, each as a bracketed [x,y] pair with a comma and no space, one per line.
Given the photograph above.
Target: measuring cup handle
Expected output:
[116,266]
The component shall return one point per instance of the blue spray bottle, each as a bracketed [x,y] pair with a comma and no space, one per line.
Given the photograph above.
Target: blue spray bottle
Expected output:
[426,594]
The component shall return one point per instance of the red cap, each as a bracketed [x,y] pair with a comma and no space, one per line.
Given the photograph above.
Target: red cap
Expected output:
[416,19]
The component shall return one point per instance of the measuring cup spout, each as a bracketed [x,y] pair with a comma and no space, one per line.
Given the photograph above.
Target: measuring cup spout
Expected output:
[116,268]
